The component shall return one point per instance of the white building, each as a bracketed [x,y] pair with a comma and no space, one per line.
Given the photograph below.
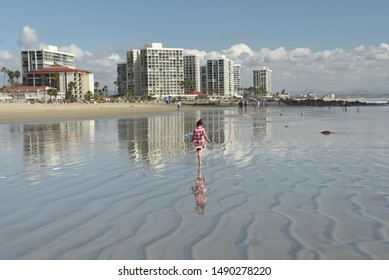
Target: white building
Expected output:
[121,81]
[220,77]
[34,94]
[155,71]
[262,80]
[203,78]
[237,80]
[34,59]
[192,71]
[60,77]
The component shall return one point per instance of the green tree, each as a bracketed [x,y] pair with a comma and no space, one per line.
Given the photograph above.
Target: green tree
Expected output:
[52,92]
[17,75]
[97,87]
[105,90]
[69,92]
[4,70]
[88,96]
[185,84]
[11,77]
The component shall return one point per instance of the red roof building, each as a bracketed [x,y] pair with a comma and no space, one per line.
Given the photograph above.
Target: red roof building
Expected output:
[60,77]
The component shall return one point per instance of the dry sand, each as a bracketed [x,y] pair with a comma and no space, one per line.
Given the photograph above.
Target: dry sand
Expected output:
[23,112]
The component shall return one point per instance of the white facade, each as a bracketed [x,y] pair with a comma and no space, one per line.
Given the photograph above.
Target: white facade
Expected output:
[262,80]
[192,71]
[60,77]
[237,80]
[121,81]
[203,78]
[220,77]
[34,59]
[155,71]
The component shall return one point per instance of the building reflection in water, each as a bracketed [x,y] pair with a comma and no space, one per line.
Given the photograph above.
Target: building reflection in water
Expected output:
[151,139]
[260,126]
[51,144]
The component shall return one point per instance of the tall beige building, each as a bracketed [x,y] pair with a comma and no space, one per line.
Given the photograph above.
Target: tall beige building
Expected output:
[220,77]
[121,81]
[155,71]
[192,71]
[237,79]
[262,80]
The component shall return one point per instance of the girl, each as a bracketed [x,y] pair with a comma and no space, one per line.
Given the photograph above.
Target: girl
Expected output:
[199,137]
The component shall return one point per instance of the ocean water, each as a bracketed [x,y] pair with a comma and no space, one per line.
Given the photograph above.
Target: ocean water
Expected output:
[276,187]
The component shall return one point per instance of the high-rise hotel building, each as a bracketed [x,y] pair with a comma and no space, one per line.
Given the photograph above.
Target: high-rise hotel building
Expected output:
[237,79]
[262,80]
[220,77]
[158,72]
[121,81]
[192,71]
[155,71]
[47,56]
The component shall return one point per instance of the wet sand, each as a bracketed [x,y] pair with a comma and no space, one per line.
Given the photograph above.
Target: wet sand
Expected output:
[276,187]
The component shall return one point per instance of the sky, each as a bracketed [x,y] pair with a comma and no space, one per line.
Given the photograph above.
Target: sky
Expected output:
[339,47]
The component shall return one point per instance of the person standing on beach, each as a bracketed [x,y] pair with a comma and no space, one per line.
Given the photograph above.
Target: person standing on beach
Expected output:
[199,137]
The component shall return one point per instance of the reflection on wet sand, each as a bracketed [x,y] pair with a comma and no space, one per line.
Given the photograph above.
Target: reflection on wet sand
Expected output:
[152,139]
[200,192]
[149,139]
[51,144]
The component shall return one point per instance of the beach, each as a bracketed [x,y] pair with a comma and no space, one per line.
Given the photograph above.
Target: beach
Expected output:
[23,112]
[115,182]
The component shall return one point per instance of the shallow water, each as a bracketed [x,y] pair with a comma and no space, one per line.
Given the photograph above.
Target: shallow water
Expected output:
[122,189]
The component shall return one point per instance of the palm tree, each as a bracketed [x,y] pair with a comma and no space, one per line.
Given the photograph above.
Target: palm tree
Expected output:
[51,92]
[69,92]
[17,75]
[185,84]
[115,83]
[4,70]
[97,87]
[105,90]
[11,77]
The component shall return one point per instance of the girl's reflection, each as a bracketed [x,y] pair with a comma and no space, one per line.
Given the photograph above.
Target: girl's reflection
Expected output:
[200,192]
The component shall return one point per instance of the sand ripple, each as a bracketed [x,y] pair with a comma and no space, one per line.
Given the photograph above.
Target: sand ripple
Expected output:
[275,192]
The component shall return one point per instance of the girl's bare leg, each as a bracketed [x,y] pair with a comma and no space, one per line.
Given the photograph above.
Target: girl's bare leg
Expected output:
[199,156]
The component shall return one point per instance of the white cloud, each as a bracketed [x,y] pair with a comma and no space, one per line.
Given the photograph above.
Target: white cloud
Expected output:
[79,54]
[364,67]
[28,38]
[5,55]
[101,62]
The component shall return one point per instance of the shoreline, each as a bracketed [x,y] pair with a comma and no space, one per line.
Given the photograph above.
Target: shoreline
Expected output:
[25,113]
[32,113]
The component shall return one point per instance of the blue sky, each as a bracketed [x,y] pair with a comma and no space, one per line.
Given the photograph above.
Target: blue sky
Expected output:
[324,46]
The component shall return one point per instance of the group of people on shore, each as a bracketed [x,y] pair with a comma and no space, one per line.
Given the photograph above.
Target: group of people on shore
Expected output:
[259,104]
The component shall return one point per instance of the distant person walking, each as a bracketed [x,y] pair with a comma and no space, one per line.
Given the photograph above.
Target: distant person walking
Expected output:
[178,105]
[199,137]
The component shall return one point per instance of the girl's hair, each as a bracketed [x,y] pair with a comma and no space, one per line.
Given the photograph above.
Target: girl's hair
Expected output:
[199,122]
